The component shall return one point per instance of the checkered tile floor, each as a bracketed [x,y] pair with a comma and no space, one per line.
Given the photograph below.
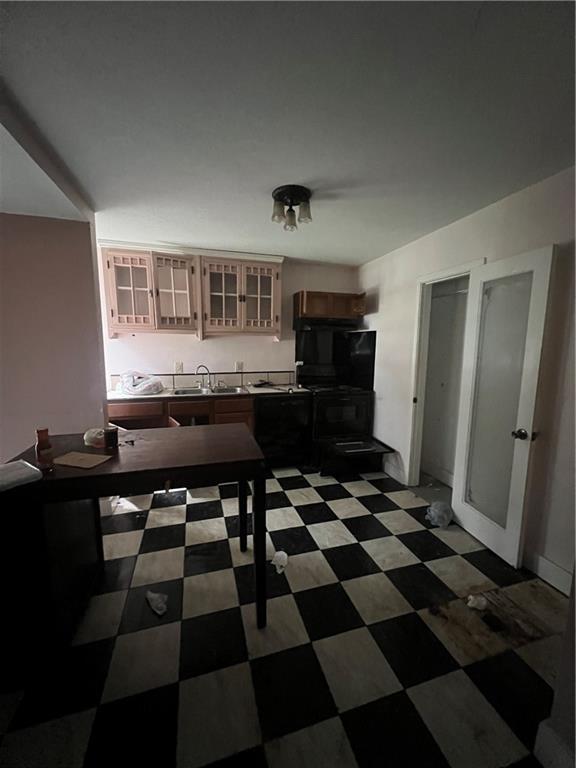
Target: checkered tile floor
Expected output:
[370,657]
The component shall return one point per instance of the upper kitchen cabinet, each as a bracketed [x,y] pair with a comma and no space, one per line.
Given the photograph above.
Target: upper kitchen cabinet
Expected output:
[241,297]
[328,305]
[150,291]
[175,292]
[129,290]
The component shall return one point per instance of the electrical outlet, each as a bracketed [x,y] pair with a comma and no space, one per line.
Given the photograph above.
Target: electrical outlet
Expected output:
[178,366]
[238,366]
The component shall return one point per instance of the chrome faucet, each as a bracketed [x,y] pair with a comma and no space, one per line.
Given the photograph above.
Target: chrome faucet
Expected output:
[206,369]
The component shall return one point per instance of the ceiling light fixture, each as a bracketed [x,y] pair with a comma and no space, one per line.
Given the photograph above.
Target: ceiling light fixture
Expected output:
[288,196]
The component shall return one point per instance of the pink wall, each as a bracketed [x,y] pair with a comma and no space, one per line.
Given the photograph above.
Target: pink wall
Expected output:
[51,373]
[156,353]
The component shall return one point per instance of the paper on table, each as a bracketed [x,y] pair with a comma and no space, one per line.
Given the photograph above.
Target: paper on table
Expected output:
[82,460]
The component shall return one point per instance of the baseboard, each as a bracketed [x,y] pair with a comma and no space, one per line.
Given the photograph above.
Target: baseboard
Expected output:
[548,571]
[438,473]
[551,750]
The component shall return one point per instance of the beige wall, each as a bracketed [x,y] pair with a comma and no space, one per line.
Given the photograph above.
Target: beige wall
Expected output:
[156,353]
[535,217]
[51,370]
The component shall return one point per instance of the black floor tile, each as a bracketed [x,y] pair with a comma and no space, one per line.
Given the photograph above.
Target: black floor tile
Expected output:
[366,527]
[379,503]
[526,762]
[230,491]
[347,477]
[293,541]
[333,492]
[295,481]
[276,500]
[138,730]
[168,499]
[350,561]
[426,546]
[420,586]
[212,642]
[127,521]
[163,537]
[203,510]
[204,558]
[390,732]
[291,691]
[496,569]
[70,681]
[251,758]
[276,583]
[315,513]
[387,485]
[419,514]
[413,651]
[517,693]
[233,525]
[138,614]
[116,574]
[327,611]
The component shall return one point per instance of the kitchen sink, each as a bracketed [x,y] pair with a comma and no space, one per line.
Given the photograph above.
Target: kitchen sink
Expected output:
[193,391]
[228,390]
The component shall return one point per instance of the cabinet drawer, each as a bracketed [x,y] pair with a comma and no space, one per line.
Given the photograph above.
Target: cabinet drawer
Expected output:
[190,409]
[134,410]
[233,404]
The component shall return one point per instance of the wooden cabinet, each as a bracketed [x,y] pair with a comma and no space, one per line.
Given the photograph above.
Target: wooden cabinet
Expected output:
[150,291]
[327,304]
[173,292]
[241,297]
[182,412]
[130,291]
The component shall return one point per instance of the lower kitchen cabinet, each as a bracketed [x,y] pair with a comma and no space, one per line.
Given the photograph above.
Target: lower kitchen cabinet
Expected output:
[184,413]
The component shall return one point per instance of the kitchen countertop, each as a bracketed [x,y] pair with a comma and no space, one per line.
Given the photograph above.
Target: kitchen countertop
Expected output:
[166,394]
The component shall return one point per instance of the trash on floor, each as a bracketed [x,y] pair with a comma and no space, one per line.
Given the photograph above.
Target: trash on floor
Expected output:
[439,513]
[477,602]
[158,602]
[280,561]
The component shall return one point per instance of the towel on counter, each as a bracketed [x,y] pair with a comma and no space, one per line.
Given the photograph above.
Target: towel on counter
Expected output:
[17,473]
[135,383]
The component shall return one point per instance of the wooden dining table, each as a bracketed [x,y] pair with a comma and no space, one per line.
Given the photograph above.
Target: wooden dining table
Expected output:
[59,515]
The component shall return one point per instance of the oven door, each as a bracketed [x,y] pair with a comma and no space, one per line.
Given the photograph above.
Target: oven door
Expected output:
[342,415]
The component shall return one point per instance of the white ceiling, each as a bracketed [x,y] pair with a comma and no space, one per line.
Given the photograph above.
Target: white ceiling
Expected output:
[25,188]
[180,118]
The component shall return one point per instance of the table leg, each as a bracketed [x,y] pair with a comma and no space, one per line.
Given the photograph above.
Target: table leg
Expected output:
[259,524]
[243,513]
[98,531]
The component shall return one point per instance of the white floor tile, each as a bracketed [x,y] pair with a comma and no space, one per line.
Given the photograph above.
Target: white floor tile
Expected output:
[166,516]
[406,499]
[331,534]
[457,539]
[164,565]
[301,496]
[389,552]
[309,570]
[281,518]
[360,488]
[324,745]
[101,618]
[122,544]
[397,521]
[460,575]
[143,660]
[202,531]
[376,598]
[355,668]
[343,508]
[467,728]
[217,716]
[284,629]
[209,592]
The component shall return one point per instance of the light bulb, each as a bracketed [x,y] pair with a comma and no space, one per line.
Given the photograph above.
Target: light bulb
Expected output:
[304,215]
[278,215]
[290,224]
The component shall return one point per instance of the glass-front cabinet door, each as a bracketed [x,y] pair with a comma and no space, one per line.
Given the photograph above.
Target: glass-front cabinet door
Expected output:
[222,296]
[131,304]
[174,293]
[259,302]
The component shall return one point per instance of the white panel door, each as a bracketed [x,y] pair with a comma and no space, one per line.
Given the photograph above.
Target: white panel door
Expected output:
[502,346]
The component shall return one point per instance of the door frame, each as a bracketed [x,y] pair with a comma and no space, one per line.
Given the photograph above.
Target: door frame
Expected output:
[420,358]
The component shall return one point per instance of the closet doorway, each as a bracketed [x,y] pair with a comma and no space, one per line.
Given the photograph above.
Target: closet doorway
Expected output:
[442,388]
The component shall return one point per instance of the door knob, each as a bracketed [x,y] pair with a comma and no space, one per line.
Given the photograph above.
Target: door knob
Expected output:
[520,434]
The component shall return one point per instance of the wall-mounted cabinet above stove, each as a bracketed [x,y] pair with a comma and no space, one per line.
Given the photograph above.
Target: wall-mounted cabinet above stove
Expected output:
[313,307]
